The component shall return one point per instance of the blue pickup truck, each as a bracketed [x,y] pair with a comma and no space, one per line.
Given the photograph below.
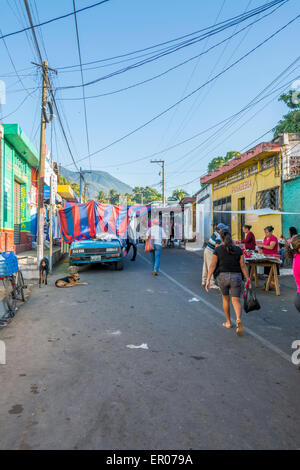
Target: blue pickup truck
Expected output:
[97,251]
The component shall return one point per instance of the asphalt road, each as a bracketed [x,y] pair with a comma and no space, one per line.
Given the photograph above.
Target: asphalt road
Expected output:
[71,382]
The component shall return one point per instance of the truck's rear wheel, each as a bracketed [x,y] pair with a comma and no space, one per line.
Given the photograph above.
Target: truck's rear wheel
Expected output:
[119,265]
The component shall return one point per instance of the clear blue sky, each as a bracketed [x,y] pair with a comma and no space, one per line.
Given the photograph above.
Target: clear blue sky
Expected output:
[120,26]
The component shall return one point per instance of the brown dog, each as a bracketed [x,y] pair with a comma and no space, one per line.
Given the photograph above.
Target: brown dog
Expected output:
[71,280]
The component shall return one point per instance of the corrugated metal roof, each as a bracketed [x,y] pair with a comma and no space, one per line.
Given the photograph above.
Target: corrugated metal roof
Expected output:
[263,147]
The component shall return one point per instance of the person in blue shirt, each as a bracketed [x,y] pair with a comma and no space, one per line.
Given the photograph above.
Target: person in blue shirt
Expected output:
[213,242]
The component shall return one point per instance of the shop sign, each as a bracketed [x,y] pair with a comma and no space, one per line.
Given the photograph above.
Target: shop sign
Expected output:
[242,187]
[23,206]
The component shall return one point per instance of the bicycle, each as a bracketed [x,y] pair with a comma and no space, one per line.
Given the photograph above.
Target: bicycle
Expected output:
[13,283]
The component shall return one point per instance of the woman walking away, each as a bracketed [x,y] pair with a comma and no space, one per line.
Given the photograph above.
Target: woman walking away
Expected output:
[293,252]
[157,237]
[229,265]
[249,241]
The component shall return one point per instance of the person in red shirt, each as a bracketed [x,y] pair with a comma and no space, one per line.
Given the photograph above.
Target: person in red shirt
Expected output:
[270,244]
[249,241]
[269,247]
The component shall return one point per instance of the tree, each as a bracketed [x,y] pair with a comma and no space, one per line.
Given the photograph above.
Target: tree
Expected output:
[102,197]
[177,195]
[220,161]
[113,197]
[149,194]
[291,120]
[76,188]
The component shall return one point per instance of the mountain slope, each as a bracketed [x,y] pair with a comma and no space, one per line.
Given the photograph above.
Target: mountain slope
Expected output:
[98,180]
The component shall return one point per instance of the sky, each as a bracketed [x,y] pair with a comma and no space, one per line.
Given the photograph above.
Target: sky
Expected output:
[121,26]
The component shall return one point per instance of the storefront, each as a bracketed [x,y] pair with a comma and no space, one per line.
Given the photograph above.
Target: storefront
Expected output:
[250,181]
[290,149]
[18,155]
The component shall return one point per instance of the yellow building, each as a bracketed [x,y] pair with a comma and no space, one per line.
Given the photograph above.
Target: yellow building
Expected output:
[250,181]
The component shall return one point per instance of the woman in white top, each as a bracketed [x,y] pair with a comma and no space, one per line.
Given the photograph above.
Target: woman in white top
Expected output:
[158,237]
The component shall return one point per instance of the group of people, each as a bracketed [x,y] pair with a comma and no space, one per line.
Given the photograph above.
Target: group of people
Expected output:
[224,262]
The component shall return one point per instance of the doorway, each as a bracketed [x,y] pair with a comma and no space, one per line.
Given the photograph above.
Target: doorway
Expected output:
[242,218]
[17,213]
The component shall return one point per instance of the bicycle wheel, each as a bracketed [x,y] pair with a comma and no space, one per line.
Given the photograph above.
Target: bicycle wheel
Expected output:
[20,286]
[10,297]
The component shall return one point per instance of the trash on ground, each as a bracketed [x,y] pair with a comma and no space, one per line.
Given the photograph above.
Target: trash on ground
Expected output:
[194,299]
[141,346]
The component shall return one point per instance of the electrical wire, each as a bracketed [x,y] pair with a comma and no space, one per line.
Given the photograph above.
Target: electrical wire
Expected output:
[153,58]
[166,71]
[82,81]
[142,126]
[53,19]
[257,10]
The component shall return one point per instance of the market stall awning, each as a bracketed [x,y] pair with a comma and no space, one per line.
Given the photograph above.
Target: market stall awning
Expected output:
[66,192]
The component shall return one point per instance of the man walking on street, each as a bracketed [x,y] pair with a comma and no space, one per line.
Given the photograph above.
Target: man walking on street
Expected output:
[213,242]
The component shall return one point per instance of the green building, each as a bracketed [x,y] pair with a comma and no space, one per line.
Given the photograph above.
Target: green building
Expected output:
[18,156]
[290,151]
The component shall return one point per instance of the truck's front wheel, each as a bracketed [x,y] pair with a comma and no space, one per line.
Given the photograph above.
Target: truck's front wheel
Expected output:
[119,265]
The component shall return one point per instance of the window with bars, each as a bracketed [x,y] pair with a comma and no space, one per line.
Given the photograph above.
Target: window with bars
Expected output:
[268,199]
[221,205]
[269,162]
[252,169]
[220,184]
[237,176]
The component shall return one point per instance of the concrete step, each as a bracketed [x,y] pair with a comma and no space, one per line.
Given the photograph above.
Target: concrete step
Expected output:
[31,274]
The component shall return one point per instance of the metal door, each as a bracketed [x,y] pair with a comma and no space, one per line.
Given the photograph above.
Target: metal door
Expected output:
[17,213]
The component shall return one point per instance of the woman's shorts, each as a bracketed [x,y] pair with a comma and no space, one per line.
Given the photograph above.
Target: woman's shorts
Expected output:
[230,283]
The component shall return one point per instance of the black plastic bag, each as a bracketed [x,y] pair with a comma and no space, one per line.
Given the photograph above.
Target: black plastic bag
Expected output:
[250,300]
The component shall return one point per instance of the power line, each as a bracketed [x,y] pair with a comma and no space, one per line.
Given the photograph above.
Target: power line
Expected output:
[158,56]
[189,94]
[166,71]
[193,73]
[54,19]
[82,81]
[257,10]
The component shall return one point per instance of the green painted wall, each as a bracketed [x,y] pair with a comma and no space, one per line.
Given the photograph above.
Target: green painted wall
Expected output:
[14,168]
[291,203]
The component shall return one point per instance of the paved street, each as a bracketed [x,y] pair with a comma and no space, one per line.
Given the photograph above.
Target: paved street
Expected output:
[71,382]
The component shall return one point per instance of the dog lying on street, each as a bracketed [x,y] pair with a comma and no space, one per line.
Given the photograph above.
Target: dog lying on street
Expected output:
[70,280]
[44,271]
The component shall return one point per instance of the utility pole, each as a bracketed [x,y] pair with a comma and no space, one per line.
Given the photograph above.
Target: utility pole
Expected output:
[85,191]
[162,163]
[80,184]
[40,231]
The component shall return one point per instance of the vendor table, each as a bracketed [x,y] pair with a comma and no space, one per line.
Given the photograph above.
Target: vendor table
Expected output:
[265,262]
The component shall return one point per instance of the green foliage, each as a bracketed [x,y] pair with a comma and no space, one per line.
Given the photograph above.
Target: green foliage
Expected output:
[76,188]
[220,161]
[290,121]
[149,194]
[177,195]
[102,197]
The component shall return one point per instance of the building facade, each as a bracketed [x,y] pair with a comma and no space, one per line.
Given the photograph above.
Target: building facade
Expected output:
[249,181]
[203,215]
[290,151]
[18,156]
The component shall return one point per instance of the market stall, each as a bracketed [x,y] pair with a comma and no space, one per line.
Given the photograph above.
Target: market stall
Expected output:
[257,260]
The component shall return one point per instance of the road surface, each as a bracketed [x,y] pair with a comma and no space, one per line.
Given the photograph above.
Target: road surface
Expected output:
[72,382]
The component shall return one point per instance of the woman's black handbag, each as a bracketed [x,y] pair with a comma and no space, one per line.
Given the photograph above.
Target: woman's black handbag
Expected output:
[250,300]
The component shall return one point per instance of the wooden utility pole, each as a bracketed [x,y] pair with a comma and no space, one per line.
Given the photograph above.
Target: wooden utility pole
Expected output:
[85,191]
[40,228]
[162,163]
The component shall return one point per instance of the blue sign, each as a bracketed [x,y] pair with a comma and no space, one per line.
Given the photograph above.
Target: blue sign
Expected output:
[46,192]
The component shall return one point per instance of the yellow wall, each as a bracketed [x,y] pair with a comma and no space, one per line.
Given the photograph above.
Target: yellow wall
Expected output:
[260,181]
